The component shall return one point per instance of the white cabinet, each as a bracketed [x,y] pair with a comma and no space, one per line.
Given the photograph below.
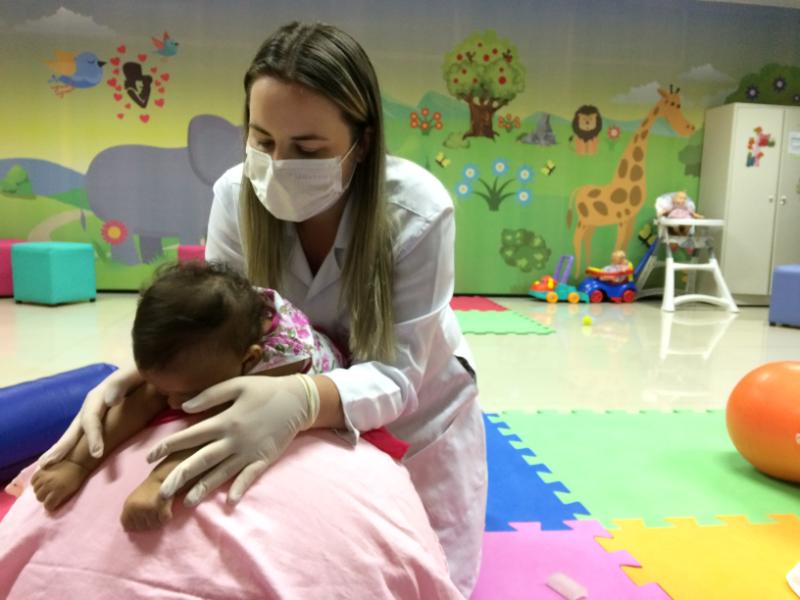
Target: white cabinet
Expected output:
[750,177]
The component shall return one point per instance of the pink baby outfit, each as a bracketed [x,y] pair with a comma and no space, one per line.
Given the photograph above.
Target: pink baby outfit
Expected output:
[289,338]
[679,212]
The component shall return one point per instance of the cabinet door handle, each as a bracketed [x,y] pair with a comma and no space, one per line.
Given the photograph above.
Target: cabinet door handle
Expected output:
[783,200]
[771,199]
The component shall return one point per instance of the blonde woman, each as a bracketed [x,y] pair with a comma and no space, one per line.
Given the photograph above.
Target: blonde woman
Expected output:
[363,244]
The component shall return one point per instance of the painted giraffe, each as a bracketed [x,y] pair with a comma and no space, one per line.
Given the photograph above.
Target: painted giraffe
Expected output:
[619,202]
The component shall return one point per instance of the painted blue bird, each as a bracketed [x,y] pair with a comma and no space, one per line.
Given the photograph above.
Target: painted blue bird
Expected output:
[82,71]
[166,46]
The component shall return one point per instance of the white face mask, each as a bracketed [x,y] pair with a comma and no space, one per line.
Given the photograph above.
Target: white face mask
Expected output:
[298,189]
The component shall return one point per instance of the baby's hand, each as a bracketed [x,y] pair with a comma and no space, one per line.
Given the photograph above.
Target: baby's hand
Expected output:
[56,484]
[145,509]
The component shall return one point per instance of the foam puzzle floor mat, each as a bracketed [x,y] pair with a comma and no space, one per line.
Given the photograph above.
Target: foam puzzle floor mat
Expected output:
[650,465]
[517,564]
[499,322]
[737,559]
[475,303]
[670,488]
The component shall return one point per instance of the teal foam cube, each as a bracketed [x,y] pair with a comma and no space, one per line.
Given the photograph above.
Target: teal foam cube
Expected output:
[53,272]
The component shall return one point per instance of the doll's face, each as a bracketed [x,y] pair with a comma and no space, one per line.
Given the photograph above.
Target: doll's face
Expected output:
[679,199]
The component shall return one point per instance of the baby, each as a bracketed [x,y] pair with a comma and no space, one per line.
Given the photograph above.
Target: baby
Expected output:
[619,269]
[195,326]
[679,209]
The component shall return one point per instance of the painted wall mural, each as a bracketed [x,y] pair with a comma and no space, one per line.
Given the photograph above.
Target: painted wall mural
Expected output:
[553,130]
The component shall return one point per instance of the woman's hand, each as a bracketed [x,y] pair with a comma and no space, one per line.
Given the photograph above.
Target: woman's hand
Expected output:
[89,420]
[244,439]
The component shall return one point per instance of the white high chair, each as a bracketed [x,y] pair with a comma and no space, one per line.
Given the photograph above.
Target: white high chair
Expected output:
[696,241]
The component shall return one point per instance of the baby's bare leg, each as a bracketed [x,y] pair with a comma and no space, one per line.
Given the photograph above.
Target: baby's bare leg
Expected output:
[145,509]
[56,484]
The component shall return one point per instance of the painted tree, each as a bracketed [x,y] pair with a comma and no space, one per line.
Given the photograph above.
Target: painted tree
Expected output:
[16,183]
[484,72]
[773,84]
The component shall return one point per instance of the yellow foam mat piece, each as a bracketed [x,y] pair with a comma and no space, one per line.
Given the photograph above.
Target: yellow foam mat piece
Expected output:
[736,560]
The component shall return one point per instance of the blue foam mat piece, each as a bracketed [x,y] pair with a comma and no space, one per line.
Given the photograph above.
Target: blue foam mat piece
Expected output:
[516,492]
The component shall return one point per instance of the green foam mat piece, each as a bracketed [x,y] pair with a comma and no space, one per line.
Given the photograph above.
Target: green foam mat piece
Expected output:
[499,322]
[650,465]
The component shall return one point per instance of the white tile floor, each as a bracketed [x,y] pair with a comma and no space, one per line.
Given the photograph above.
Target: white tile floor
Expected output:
[632,357]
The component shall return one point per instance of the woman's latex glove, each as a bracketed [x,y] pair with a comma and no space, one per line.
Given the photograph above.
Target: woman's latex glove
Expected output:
[244,439]
[89,420]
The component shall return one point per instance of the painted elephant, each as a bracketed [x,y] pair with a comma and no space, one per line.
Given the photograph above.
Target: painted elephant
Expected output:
[162,192]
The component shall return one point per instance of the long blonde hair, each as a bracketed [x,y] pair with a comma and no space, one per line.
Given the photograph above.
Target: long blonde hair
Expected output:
[330,62]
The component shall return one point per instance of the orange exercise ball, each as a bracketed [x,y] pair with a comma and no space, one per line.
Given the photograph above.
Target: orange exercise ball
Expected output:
[764,419]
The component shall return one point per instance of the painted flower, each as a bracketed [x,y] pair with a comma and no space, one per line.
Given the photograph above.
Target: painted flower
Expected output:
[114,232]
[524,197]
[463,190]
[779,84]
[525,173]
[470,172]
[752,92]
[500,167]
[613,132]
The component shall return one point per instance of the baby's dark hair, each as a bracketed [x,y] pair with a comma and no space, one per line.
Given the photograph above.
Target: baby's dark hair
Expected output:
[195,303]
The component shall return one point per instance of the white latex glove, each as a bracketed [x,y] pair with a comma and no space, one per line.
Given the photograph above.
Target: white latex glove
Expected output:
[245,439]
[89,420]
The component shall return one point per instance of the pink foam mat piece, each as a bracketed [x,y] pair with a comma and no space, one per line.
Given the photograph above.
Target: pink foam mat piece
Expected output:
[517,564]
[475,303]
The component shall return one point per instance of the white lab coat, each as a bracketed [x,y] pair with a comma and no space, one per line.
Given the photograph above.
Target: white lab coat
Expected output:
[426,396]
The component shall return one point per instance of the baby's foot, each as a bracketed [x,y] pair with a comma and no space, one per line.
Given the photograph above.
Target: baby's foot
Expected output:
[145,509]
[57,483]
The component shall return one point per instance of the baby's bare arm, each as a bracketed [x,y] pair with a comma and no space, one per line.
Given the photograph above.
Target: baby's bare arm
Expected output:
[122,422]
[57,483]
[145,509]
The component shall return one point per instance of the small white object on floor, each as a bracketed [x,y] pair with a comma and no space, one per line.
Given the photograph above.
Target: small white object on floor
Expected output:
[566,587]
[793,578]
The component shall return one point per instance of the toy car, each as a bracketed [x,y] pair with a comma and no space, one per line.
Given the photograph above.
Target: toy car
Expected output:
[601,285]
[556,288]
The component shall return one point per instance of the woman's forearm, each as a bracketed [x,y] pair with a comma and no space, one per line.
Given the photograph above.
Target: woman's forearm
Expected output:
[331,413]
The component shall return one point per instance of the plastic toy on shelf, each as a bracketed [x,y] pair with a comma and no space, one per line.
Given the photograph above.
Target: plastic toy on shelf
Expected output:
[556,288]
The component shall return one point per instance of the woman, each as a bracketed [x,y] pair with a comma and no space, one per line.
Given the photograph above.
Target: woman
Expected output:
[363,244]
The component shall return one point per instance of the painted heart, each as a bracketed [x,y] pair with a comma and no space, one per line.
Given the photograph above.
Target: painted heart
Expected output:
[115,71]
[120,115]
[141,57]
[114,61]
[121,49]
[160,90]
[117,97]
[118,88]
[153,70]
[165,76]
[112,82]
[128,105]
[159,102]
[144,118]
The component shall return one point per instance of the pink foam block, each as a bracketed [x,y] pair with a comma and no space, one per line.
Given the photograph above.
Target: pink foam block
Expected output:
[517,564]
[189,253]
[6,280]
[475,303]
